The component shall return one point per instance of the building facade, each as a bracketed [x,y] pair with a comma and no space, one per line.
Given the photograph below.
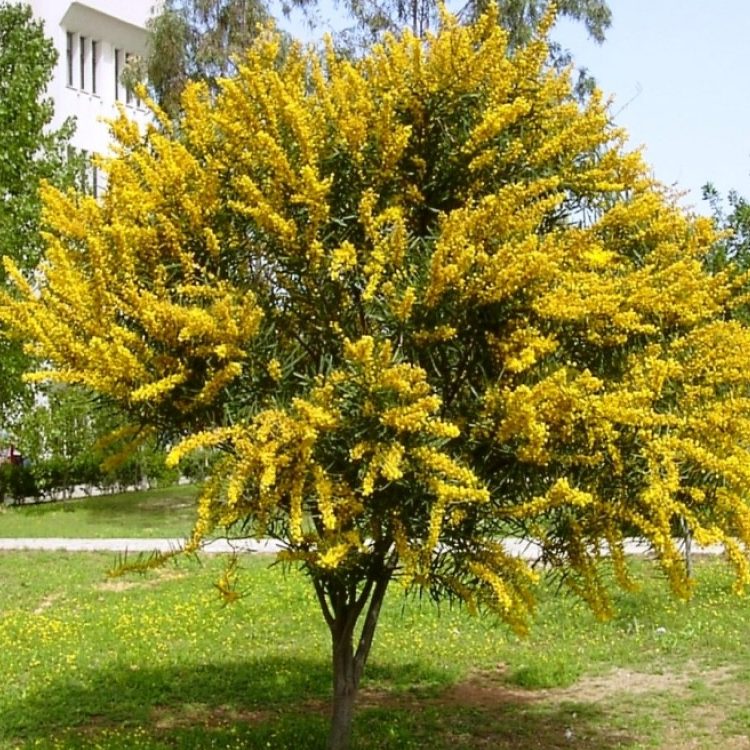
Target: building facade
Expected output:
[94,40]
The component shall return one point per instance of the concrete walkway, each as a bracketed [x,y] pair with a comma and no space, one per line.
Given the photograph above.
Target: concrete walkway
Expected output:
[136,545]
[516,547]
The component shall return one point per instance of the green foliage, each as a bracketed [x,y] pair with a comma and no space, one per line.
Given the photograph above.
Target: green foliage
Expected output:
[29,153]
[66,436]
[198,40]
[558,673]
[733,218]
[730,254]
[518,17]
[16,483]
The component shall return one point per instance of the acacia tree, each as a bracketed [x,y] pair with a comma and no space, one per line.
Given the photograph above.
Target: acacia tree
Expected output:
[417,301]
[373,18]
[29,153]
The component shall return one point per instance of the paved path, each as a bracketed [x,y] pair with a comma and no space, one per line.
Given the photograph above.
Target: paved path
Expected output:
[135,545]
[517,547]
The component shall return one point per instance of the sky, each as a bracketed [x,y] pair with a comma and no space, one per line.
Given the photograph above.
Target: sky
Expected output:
[678,73]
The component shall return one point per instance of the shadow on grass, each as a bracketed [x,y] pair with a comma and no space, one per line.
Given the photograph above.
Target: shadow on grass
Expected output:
[277,703]
[164,512]
[157,500]
[133,502]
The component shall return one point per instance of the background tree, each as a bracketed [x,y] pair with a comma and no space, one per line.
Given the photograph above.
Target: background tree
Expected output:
[518,17]
[733,220]
[29,153]
[197,40]
[72,440]
[418,302]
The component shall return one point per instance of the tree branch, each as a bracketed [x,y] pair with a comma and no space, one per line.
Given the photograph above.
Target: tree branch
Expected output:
[321,594]
[371,621]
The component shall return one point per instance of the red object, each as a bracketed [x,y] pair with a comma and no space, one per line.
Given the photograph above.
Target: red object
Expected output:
[11,456]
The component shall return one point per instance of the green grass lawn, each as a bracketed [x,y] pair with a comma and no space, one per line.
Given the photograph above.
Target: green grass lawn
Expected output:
[167,512]
[157,661]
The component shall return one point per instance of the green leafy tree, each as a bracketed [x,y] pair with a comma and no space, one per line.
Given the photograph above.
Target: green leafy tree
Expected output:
[57,436]
[30,152]
[732,218]
[70,438]
[197,40]
[415,301]
[518,17]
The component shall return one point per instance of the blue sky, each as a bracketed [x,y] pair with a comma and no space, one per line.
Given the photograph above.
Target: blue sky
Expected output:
[679,76]
[679,73]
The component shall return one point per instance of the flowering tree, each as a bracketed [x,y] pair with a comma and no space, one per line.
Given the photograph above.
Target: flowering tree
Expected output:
[418,302]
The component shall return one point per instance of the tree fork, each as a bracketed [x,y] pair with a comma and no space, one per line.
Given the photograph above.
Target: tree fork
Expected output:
[348,664]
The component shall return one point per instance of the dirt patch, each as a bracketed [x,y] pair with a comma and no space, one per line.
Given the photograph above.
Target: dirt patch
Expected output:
[708,721]
[510,717]
[192,714]
[558,724]
[489,689]
[46,603]
[617,681]
[155,578]
[116,585]
[486,690]
[674,741]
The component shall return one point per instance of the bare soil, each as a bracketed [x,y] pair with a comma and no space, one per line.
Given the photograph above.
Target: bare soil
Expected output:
[589,715]
[156,577]
[619,710]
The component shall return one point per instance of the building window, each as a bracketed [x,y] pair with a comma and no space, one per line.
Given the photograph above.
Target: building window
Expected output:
[123,91]
[94,60]
[83,169]
[129,98]
[118,73]
[69,44]
[82,57]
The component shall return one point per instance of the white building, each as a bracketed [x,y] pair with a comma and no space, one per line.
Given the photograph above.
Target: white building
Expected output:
[94,40]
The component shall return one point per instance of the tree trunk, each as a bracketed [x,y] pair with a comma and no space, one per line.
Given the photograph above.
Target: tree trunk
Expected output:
[687,539]
[345,685]
[349,664]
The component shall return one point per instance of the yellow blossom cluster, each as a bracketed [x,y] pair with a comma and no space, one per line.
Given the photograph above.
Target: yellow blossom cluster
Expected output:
[286,460]
[417,301]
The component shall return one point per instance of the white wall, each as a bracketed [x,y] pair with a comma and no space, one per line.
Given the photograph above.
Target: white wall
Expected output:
[111,25]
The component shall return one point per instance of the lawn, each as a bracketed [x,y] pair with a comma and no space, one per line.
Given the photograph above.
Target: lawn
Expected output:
[157,661]
[168,512]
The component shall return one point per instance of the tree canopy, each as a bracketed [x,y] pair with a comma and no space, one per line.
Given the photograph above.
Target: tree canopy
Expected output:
[199,40]
[518,17]
[418,302]
[733,247]
[29,153]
